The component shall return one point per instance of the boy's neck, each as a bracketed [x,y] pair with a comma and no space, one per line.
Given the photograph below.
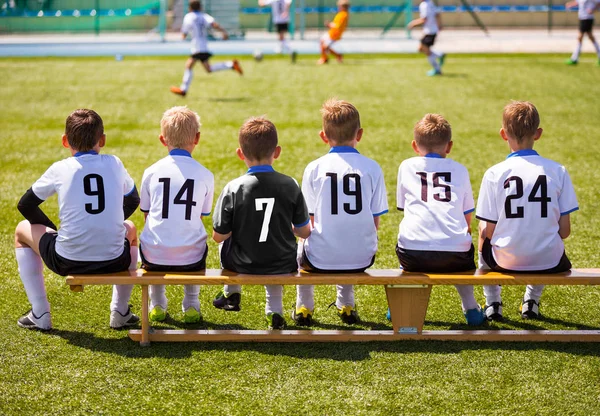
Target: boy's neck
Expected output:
[252,163]
[189,148]
[434,155]
[95,150]
[514,146]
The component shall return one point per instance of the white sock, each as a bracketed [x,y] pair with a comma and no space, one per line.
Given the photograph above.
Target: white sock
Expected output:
[481,264]
[433,61]
[285,46]
[31,270]
[467,297]
[158,296]
[345,296]
[436,54]
[134,252]
[229,289]
[221,66]
[305,296]
[120,298]
[493,293]
[576,53]
[190,297]
[534,292]
[188,74]
[274,299]
[597,48]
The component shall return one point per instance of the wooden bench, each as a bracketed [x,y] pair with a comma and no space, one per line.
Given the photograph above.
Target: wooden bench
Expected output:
[407,295]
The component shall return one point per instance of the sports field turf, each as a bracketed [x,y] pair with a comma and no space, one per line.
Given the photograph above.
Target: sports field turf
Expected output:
[84,367]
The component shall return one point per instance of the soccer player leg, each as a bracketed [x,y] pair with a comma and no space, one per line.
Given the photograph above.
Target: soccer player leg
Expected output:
[274,302]
[121,315]
[472,311]
[31,270]
[481,264]
[188,74]
[530,308]
[191,303]
[158,303]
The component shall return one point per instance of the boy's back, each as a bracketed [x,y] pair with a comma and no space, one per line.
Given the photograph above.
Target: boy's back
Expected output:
[259,209]
[525,196]
[344,190]
[176,192]
[90,190]
[435,195]
[197,25]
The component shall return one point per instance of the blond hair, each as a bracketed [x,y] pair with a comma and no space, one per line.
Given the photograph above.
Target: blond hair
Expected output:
[258,138]
[520,120]
[432,132]
[179,126]
[341,121]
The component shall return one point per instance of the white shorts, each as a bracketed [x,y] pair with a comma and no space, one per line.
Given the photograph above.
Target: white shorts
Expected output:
[326,40]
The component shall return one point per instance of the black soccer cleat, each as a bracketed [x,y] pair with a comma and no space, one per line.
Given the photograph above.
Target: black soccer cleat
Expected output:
[493,312]
[229,303]
[302,316]
[530,309]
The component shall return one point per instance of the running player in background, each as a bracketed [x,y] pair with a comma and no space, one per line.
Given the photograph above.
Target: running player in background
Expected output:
[430,20]
[586,23]
[280,11]
[196,23]
[336,29]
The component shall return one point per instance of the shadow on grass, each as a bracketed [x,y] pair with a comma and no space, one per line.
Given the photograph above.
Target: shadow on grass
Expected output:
[230,99]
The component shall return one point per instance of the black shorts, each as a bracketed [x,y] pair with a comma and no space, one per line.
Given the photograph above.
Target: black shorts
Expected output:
[306,265]
[436,261]
[202,56]
[585,26]
[564,265]
[282,27]
[428,40]
[64,267]
[200,265]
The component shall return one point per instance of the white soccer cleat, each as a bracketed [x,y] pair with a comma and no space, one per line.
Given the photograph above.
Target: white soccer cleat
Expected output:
[119,321]
[30,321]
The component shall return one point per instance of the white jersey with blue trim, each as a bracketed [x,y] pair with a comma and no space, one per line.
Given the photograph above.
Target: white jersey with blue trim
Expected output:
[525,196]
[428,11]
[279,10]
[90,190]
[344,190]
[435,194]
[586,9]
[196,24]
[176,193]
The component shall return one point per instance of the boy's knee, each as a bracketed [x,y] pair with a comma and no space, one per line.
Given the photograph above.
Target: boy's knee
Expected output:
[23,229]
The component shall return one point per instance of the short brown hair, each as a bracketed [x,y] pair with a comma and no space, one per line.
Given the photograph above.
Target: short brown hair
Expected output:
[341,120]
[195,5]
[520,120]
[432,132]
[179,126]
[84,129]
[258,138]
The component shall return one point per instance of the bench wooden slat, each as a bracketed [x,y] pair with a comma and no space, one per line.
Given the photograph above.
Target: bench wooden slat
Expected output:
[365,336]
[370,277]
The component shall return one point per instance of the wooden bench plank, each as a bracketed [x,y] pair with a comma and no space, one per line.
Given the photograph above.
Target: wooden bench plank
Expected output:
[365,336]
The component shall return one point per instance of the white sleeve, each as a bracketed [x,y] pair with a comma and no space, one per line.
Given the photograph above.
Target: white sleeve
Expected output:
[379,203]
[186,26]
[567,201]
[399,191]
[208,199]
[45,186]
[468,202]
[423,10]
[308,191]
[145,192]
[486,202]
[128,183]
[209,19]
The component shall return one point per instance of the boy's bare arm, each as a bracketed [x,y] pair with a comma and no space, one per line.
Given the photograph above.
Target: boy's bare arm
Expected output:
[564,226]
[219,238]
[302,232]
[468,218]
[416,22]
[28,206]
[376,221]
[218,27]
[438,19]
[571,4]
[489,230]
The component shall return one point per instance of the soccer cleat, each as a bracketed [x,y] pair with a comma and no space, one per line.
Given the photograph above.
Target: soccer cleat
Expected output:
[433,72]
[178,91]
[302,316]
[192,315]
[348,315]
[442,59]
[158,314]
[475,316]
[493,312]
[530,309]
[227,303]
[275,321]
[322,61]
[571,62]
[294,56]
[30,321]
[119,321]
[237,67]
[388,315]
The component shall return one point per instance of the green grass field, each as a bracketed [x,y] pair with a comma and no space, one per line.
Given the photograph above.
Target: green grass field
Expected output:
[84,367]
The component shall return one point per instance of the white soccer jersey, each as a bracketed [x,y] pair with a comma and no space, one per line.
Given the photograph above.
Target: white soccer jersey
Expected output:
[428,11]
[435,195]
[279,10]
[525,197]
[197,24]
[90,190]
[586,9]
[176,192]
[344,190]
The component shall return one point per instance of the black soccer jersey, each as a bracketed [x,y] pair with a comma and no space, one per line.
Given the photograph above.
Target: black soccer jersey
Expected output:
[259,209]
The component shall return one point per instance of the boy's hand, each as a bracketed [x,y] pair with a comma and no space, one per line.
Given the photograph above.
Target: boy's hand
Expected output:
[225,36]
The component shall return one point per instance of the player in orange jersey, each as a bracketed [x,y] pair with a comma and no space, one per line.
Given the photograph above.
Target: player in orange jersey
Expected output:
[336,29]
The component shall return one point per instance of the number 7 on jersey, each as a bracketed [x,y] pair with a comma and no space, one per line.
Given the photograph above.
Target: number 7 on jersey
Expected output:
[260,204]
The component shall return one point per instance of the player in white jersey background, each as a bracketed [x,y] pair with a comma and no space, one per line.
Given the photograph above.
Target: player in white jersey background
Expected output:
[196,24]
[435,194]
[429,18]
[345,195]
[586,9]
[280,12]
[176,193]
[95,196]
[524,207]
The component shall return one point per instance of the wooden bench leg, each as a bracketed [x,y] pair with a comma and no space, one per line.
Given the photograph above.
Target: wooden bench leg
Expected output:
[408,306]
[145,323]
